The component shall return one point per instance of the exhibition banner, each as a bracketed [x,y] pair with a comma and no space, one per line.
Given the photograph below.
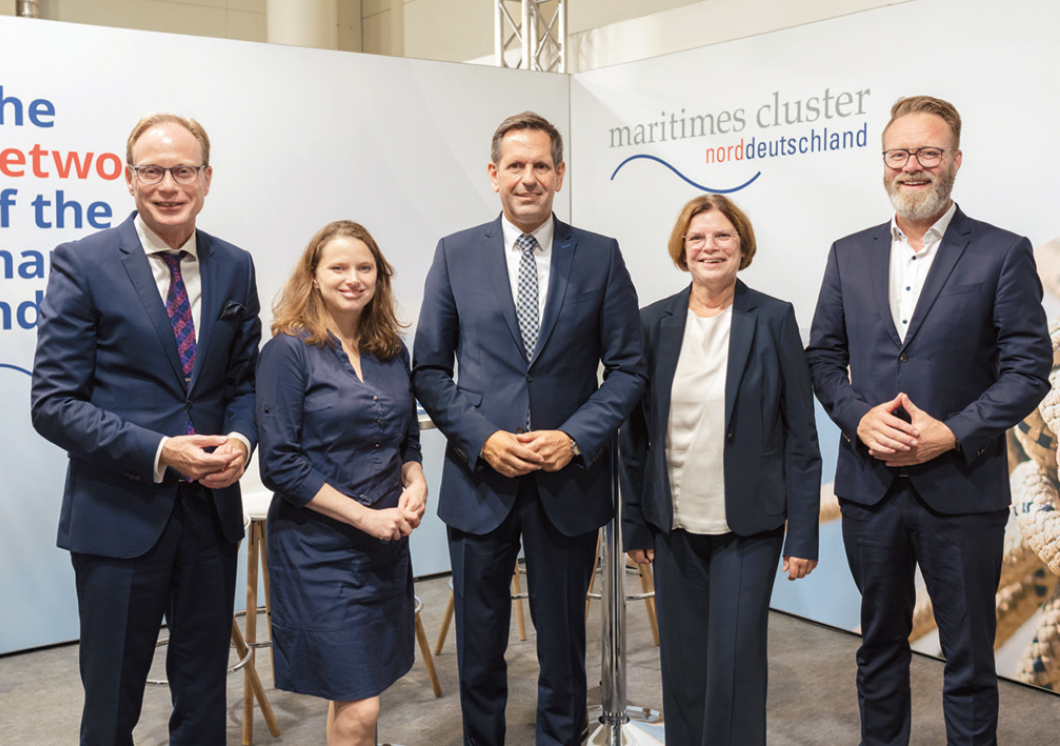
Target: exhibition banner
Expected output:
[788,125]
[300,137]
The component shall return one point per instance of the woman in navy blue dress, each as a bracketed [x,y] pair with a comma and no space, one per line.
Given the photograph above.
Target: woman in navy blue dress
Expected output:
[339,445]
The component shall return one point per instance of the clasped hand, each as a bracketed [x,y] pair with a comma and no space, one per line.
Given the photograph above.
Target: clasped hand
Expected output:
[899,443]
[215,469]
[514,455]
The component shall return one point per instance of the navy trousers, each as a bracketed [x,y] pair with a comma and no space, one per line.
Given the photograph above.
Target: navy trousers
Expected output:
[712,597]
[960,559]
[558,568]
[189,578]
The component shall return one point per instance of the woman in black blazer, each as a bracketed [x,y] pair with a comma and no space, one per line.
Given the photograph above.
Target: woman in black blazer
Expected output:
[720,452]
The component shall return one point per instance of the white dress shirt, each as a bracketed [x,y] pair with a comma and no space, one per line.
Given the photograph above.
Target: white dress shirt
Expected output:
[542,253]
[154,247]
[909,268]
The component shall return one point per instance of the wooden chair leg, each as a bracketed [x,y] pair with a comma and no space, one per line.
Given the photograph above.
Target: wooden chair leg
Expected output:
[428,659]
[264,559]
[446,621]
[517,590]
[647,585]
[251,632]
[257,690]
[592,578]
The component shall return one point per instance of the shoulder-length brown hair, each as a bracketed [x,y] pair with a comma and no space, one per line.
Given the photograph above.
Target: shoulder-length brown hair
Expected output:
[728,208]
[299,308]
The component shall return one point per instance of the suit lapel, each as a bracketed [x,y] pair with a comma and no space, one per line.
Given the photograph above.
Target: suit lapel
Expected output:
[671,334]
[949,251]
[209,302]
[563,248]
[492,249]
[138,268]
[741,340]
[879,261]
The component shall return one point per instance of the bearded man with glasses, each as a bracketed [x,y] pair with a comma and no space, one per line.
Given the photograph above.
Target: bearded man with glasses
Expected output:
[146,350]
[928,343]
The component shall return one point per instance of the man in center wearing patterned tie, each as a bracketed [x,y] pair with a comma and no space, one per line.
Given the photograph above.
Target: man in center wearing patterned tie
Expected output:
[144,374]
[528,308]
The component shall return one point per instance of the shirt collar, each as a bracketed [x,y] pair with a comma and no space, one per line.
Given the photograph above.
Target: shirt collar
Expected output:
[152,244]
[543,233]
[934,233]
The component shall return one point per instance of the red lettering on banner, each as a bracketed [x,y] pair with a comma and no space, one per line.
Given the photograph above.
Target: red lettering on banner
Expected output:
[63,167]
[69,164]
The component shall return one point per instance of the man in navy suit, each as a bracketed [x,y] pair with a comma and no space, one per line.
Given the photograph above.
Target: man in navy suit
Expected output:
[928,343]
[528,308]
[146,351]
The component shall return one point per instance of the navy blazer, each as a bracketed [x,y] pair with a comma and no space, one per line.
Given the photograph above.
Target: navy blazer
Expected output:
[468,318]
[108,383]
[976,356]
[771,458]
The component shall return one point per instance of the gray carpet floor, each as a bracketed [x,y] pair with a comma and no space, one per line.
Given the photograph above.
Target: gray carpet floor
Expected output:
[812,699]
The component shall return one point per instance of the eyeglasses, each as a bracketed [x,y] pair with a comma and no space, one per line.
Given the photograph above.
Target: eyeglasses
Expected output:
[697,241]
[926,157]
[151,175]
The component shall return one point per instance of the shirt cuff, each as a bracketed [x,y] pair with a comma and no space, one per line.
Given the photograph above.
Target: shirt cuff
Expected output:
[244,440]
[160,470]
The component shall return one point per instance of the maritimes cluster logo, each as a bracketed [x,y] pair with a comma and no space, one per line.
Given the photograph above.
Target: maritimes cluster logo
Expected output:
[822,121]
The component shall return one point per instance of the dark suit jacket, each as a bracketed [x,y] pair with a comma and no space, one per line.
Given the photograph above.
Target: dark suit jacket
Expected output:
[108,383]
[771,459]
[976,356]
[468,316]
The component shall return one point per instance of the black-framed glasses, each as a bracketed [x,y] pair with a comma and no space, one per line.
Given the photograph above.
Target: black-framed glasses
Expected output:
[926,157]
[722,239]
[151,175]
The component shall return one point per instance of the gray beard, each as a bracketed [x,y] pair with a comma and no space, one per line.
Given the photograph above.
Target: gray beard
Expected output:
[921,206]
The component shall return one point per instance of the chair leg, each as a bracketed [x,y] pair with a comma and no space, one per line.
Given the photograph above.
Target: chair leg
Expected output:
[517,589]
[257,690]
[264,559]
[251,632]
[428,659]
[647,585]
[446,621]
[592,578]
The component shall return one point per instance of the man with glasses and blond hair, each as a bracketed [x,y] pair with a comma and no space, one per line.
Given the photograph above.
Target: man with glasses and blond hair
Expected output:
[146,349]
[928,343]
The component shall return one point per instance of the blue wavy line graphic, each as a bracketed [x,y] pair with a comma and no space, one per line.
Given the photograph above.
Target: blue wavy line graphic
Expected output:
[685,178]
[15,367]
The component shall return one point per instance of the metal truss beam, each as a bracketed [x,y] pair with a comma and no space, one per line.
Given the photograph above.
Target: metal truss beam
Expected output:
[531,34]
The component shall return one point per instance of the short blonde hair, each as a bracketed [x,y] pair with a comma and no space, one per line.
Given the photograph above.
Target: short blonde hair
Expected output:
[153,120]
[944,110]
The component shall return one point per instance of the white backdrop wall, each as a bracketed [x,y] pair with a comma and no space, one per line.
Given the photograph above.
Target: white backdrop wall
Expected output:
[300,137]
[643,131]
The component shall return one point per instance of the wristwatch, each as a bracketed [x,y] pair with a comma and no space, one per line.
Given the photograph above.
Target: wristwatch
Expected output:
[575,449]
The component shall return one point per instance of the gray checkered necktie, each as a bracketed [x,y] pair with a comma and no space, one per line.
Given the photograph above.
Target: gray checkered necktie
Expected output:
[526,309]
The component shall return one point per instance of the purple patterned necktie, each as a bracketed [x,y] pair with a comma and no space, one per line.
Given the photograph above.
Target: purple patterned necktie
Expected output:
[179,309]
